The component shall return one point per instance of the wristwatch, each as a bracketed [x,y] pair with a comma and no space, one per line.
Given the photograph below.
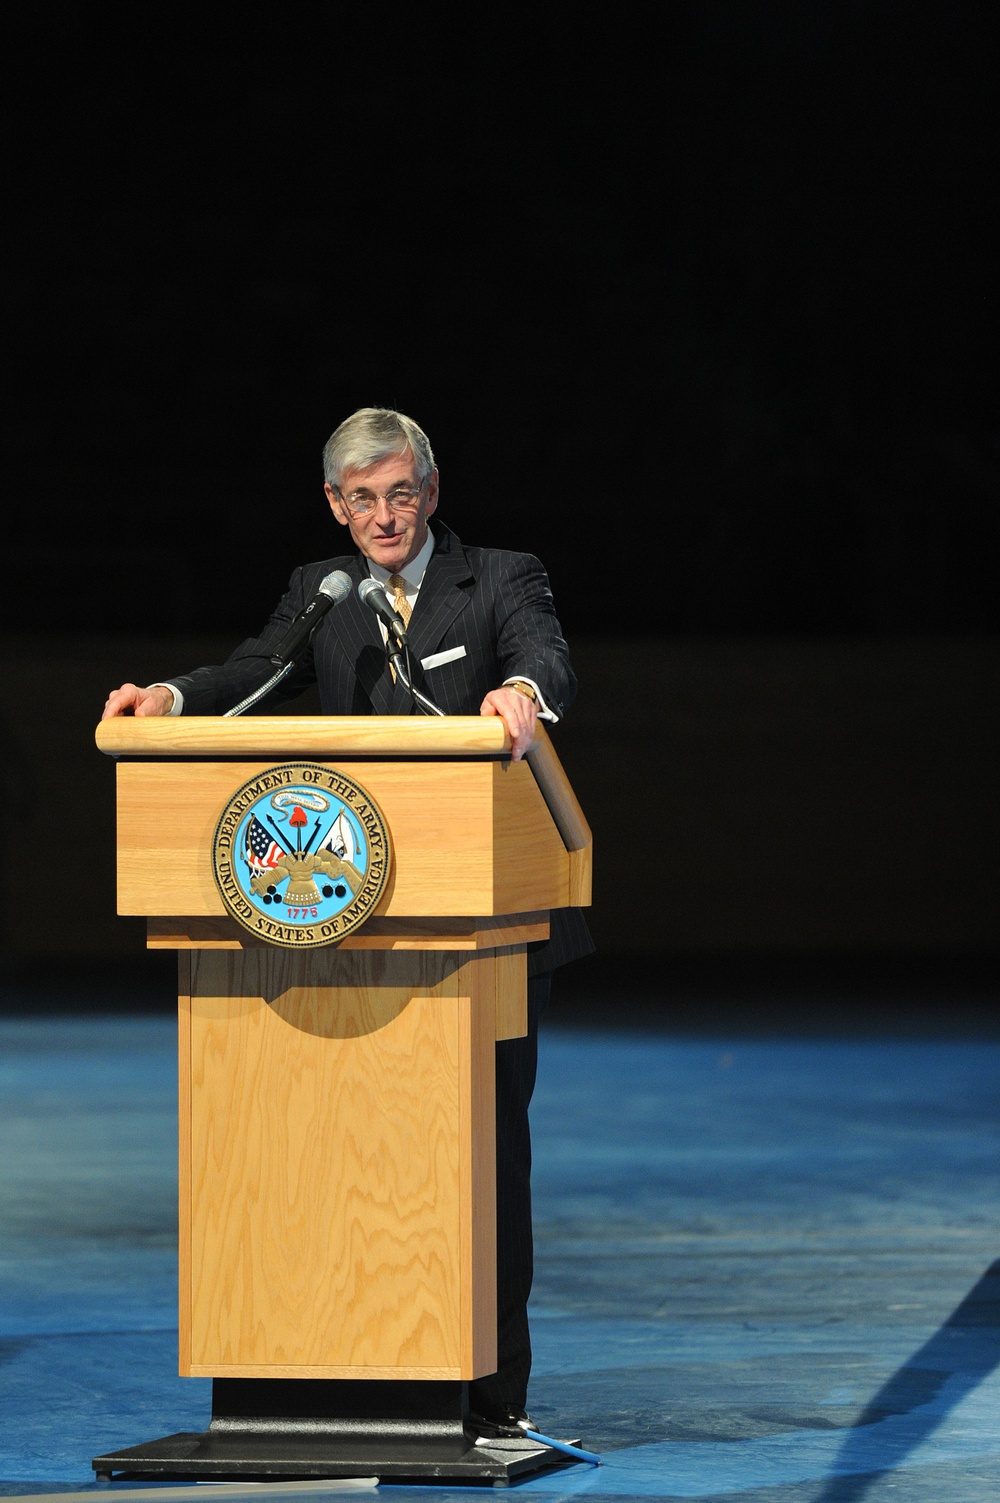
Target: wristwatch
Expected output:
[524,688]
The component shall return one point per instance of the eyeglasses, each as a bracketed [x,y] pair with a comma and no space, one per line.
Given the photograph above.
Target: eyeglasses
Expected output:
[399,498]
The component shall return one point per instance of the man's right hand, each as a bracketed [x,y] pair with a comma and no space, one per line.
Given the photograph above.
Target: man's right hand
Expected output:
[157,700]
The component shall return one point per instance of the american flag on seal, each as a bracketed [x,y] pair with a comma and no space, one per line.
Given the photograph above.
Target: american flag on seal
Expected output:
[260,850]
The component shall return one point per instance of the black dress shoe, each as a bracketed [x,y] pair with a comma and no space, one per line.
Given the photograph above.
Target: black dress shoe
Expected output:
[507,1420]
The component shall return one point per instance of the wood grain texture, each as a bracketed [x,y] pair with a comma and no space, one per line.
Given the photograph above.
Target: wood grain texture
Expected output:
[557,791]
[457,933]
[324,1370]
[167,813]
[511,1000]
[581,866]
[288,737]
[477,1095]
[464,834]
[322,737]
[530,862]
[184,1283]
[341,1186]
[569,818]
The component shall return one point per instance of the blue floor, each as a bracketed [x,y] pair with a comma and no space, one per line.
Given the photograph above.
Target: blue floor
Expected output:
[764,1267]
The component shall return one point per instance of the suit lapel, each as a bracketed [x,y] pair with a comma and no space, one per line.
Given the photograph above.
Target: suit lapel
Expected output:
[361,643]
[443,594]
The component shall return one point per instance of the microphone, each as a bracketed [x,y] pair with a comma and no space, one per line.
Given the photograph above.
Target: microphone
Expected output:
[333,589]
[374,597]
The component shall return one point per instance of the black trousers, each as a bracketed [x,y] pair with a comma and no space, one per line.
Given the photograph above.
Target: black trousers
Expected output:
[517,1063]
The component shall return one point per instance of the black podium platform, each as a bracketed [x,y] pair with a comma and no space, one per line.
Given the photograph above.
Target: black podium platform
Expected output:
[265,1429]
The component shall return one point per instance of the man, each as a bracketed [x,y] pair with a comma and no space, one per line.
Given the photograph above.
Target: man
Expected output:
[483,638]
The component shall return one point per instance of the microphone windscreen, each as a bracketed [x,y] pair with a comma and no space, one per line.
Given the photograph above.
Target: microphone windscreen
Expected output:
[336,585]
[369,586]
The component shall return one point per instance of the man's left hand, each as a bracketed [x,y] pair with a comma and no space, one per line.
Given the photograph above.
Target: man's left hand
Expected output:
[518,713]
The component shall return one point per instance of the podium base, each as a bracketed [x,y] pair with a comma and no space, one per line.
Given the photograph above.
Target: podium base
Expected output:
[263,1429]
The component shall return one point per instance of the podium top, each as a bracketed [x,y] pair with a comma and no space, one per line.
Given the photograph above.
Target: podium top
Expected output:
[325,736]
[303,736]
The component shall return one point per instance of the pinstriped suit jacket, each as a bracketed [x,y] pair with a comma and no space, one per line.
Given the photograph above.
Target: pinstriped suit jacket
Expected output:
[495,604]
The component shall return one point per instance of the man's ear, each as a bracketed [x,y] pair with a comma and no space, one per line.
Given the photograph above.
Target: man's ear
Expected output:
[336,505]
[432,493]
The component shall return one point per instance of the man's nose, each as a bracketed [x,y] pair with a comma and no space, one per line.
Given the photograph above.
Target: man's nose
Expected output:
[383,511]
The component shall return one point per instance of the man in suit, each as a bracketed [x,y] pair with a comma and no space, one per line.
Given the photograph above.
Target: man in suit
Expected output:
[483,637]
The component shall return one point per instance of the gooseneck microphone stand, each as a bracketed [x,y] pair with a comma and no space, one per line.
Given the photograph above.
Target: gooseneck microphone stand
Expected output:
[397,651]
[258,694]
[372,594]
[332,590]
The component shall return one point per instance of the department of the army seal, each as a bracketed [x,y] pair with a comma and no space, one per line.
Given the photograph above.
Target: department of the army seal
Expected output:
[301,855]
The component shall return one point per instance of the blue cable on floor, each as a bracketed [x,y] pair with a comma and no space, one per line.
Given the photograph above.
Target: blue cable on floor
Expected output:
[560,1445]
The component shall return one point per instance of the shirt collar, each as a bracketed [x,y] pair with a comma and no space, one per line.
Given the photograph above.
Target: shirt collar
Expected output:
[415,570]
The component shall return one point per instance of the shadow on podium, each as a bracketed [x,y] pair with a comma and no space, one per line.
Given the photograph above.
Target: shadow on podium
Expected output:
[755,995]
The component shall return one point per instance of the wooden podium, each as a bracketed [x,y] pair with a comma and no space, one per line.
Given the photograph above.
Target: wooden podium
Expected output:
[337,1255]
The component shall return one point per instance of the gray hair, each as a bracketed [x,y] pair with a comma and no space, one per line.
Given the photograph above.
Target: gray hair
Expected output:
[370,435]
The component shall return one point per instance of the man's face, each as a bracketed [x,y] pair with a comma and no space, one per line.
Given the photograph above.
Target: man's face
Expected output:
[388,537]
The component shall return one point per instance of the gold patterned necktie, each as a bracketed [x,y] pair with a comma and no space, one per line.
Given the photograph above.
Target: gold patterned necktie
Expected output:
[397,585]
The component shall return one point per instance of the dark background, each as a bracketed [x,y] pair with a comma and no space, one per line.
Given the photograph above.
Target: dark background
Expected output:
[695,301]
